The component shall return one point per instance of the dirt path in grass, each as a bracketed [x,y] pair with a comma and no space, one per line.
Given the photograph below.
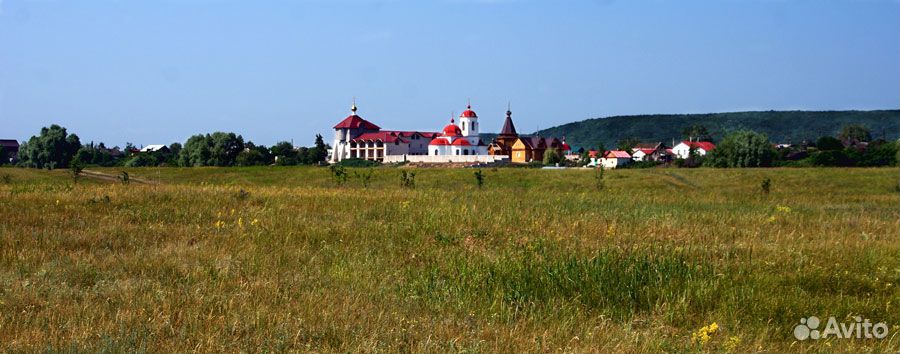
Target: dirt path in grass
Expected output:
[114,178]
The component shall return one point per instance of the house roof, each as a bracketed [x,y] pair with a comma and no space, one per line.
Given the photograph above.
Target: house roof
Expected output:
[705,145]
[384,136]
[619,154]
[461,142]
[593,153]
[439,141]
[151,148]
[652,146]
[9,143]
[468,113]
[354,121]
[509,129]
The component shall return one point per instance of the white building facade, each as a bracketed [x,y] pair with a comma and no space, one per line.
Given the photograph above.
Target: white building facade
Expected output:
[460,139]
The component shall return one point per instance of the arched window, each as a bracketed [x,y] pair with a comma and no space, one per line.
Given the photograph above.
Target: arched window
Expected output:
[435,151]
[456,152]
[464,125]
[465,152]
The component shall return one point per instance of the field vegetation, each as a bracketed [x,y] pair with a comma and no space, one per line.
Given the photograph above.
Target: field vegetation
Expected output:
[386,260]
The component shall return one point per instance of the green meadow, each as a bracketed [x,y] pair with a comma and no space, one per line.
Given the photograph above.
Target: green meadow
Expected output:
[290,259]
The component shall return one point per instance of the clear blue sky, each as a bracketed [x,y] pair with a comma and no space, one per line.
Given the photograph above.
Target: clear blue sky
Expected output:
[159,71]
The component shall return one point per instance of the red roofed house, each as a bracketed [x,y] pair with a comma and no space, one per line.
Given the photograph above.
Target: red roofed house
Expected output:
[683,149]
[649,152]
[355,137]
[615,158]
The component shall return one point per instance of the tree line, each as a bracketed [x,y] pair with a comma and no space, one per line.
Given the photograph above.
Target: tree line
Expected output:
[54,147]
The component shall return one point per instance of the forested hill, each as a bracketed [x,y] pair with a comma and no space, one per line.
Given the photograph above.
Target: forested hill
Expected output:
[780,126]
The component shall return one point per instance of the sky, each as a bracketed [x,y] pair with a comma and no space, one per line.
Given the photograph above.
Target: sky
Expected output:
[157,72]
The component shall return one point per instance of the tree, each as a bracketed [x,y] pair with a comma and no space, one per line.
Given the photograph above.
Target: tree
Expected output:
[743,148]
[319,151]
[552,157]
[53,148]
[196,152]
[696,132]
[216,149]
[3,158]
[284,154]
[175,149]
[224,148]
[855,132]
[254,155]
[828,143]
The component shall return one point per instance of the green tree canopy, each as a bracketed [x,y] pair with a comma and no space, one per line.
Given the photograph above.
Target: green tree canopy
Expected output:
[829,143]
[743,148]
[856,132]
[53,148]
[216,149]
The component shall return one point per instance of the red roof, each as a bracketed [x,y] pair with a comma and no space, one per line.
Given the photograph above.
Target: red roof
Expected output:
[439,141]
[461,142]
[592,153]
[354,121]
[386,136]
[566,147]
[468,113]
[705,145]
[619,154]
[646,151]
[452,130]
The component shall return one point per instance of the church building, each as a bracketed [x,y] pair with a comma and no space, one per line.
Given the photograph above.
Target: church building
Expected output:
[459,139]
[357,138]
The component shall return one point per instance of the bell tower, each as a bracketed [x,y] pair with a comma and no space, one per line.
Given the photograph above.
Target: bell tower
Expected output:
[468,122]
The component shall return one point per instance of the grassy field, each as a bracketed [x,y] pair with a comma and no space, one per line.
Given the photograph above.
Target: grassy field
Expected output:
[284,259]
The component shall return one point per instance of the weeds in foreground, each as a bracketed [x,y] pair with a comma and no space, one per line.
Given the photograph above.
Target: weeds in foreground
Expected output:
[598,177]
[479,178]
[338,174]
[365,177]
[407,179]
[75,168]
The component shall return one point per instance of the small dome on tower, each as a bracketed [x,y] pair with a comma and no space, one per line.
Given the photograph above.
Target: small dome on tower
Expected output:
[468,113]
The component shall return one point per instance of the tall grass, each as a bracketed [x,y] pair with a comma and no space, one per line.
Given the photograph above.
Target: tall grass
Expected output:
[285,259]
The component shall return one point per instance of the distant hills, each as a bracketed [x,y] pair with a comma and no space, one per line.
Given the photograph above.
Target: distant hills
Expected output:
[780,126]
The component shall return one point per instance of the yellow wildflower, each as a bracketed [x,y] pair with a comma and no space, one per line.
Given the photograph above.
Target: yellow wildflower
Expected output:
[254,222]
[240,222]
[704,334]
[783,209]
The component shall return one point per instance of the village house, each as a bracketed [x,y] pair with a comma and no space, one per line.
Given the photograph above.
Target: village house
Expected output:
[683,149]
[10,149]
[649,152]
[615,159]
[155,148]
